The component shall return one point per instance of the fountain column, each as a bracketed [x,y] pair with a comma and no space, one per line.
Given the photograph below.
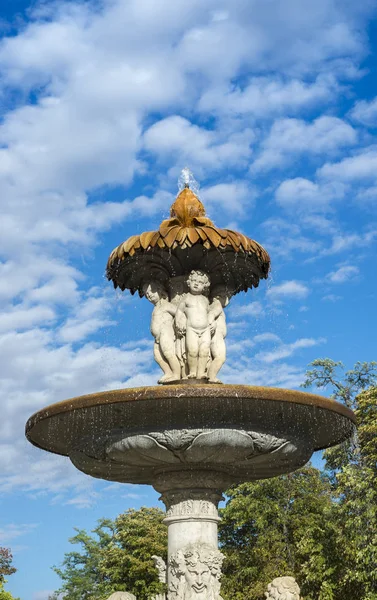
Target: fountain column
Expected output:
[194,560]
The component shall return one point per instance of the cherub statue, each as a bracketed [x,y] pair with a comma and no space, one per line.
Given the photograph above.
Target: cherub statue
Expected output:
[221,296]
[283,588]
[163,332]
[195,321]
[160,565]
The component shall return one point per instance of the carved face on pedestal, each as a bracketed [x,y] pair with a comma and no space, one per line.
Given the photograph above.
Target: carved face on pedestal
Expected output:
[195,573]
[198,579]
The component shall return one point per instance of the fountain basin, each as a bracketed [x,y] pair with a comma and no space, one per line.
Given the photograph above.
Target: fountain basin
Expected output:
[229,433]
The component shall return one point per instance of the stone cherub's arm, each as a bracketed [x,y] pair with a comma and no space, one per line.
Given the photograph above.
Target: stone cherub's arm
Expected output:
[215,311]
[180,319]
[170,308]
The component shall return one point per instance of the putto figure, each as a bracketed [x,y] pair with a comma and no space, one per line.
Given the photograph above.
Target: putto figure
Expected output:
[162,330]
[195,321]
[221,296]
[195,573]
[283,588]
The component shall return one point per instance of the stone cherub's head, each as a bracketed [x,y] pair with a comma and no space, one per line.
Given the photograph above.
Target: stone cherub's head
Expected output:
[283,588]
[198,282]
[222,293]
[154,291]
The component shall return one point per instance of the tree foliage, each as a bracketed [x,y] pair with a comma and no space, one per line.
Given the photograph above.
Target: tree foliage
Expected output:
[116,558]
[4,595]
[352,470]
[277,527]
[6,568]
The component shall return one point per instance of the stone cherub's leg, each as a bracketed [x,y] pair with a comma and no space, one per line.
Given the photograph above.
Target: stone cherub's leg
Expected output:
[204,348]
[218,351]
[168,350]
[192,350]
[160,360]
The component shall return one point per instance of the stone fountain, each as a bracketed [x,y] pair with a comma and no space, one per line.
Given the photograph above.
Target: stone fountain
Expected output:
[192,436]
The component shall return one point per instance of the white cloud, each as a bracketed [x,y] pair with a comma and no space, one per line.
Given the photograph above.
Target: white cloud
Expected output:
[175,140]
[343,274]
[253,309]
[90,315]
[286,350]
[268,96]
[358,168]
[23,317]
[285,238]
[303,195]
[331,298]
[348,241]
[12,531]
[266,337]
[365,112]
[289,138]
[253,372]
[230,197]
[288,289]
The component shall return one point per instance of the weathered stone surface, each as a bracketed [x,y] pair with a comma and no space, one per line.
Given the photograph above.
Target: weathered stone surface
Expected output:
[123,436]
[283,588]
[194,573]
[160,565]
[122,596]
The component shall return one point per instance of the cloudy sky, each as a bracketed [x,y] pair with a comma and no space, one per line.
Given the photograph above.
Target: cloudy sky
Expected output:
[273,106]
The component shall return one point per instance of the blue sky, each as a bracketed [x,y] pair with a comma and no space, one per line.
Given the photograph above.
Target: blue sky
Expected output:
[273,106]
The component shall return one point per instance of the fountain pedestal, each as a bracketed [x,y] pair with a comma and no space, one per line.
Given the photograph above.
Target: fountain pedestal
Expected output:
[192,519]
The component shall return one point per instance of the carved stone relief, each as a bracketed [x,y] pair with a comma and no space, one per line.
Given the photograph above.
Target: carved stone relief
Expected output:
[283,588]
[199,458]
[192,508]
[214,446]
[194,573]
[122,596]
[160,565]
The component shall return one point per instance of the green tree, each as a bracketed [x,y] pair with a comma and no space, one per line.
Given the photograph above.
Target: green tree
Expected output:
[366,414]
[116,558]
[277,527]
[4,595]
[345,387]
[352,470]
[6,568]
